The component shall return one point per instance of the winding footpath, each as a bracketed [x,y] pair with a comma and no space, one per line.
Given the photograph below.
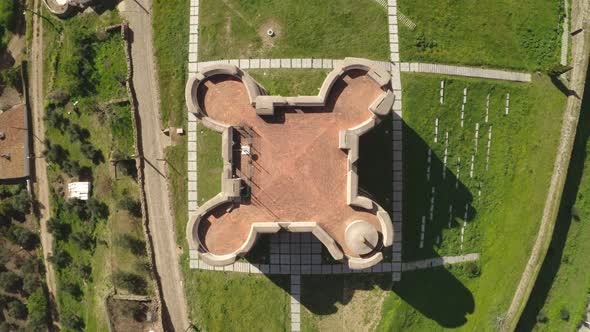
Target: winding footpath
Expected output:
[580,54]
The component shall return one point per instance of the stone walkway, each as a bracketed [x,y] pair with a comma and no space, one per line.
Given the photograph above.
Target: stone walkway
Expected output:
[295,63]
[192,119]
[495,74]
[295,302]
[397,137]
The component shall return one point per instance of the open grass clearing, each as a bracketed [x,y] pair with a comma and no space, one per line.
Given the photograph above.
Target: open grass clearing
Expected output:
[515,34]
[231,29]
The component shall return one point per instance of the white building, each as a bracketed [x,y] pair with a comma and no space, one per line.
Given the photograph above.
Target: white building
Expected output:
[79,190]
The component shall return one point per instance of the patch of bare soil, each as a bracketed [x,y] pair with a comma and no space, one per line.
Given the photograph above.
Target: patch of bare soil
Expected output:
[361,311]
[268,42]
[127,315]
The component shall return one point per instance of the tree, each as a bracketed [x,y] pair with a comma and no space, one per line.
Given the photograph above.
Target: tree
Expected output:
[60,230]
[38,311]
[98,210]
[71,321]
[130,282]
[10,282]
[55,153]
[83,240]
[72,288]
[7,20]
[135,310]
[77,207]
[23,237]
[77,133]
[31,283]
[32,265]
[17,310]
[60,258]
[131,205]
[472,269]
[136,246]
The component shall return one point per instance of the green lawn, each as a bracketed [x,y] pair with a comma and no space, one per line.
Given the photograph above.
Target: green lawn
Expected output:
[518,34]
[502,222]
[171,27]
[288,82]
[564,279]
[323,29]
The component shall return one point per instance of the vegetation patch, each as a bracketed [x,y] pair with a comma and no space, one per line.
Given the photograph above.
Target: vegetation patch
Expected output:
[99,246]
[560,296]
[232,29]
[517,34]
[23,295]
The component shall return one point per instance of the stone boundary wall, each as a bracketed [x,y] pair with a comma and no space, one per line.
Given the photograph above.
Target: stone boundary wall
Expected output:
[268,63]
[139,164]
[265,105]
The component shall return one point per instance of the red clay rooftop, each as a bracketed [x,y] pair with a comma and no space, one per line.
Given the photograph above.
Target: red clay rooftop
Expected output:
[290,163]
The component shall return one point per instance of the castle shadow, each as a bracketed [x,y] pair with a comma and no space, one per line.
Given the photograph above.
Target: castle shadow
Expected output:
[436,293]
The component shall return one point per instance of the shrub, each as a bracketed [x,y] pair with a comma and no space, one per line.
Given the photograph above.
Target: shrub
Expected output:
[59,97]
[130,282]
[17,310]
[60,258]
[10,282]
[55,153]
[72,288]
[472,269]
[564,314]
[38,309]
[542,317]
[77,207]
[33,265]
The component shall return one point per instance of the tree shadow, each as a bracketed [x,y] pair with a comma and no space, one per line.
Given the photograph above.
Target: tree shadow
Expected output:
[436,293]
[554,256]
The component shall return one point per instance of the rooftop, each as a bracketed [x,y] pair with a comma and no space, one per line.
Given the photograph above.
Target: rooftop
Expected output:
[13,145]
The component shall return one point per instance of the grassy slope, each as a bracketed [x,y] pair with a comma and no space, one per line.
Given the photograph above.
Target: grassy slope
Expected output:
[519,34]
[333,29]
[107,67]
[508,211]
[564,279]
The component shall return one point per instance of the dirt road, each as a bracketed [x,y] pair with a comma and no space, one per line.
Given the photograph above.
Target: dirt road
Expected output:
[580,51]
[41,185]
[161,223]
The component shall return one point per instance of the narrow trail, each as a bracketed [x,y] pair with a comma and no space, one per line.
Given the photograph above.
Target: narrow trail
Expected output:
[580,54]
[41,183]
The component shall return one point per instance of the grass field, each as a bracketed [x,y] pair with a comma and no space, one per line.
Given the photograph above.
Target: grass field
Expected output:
[334,29]
[88,66]
[518,34]
[564,279]
[507,212]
